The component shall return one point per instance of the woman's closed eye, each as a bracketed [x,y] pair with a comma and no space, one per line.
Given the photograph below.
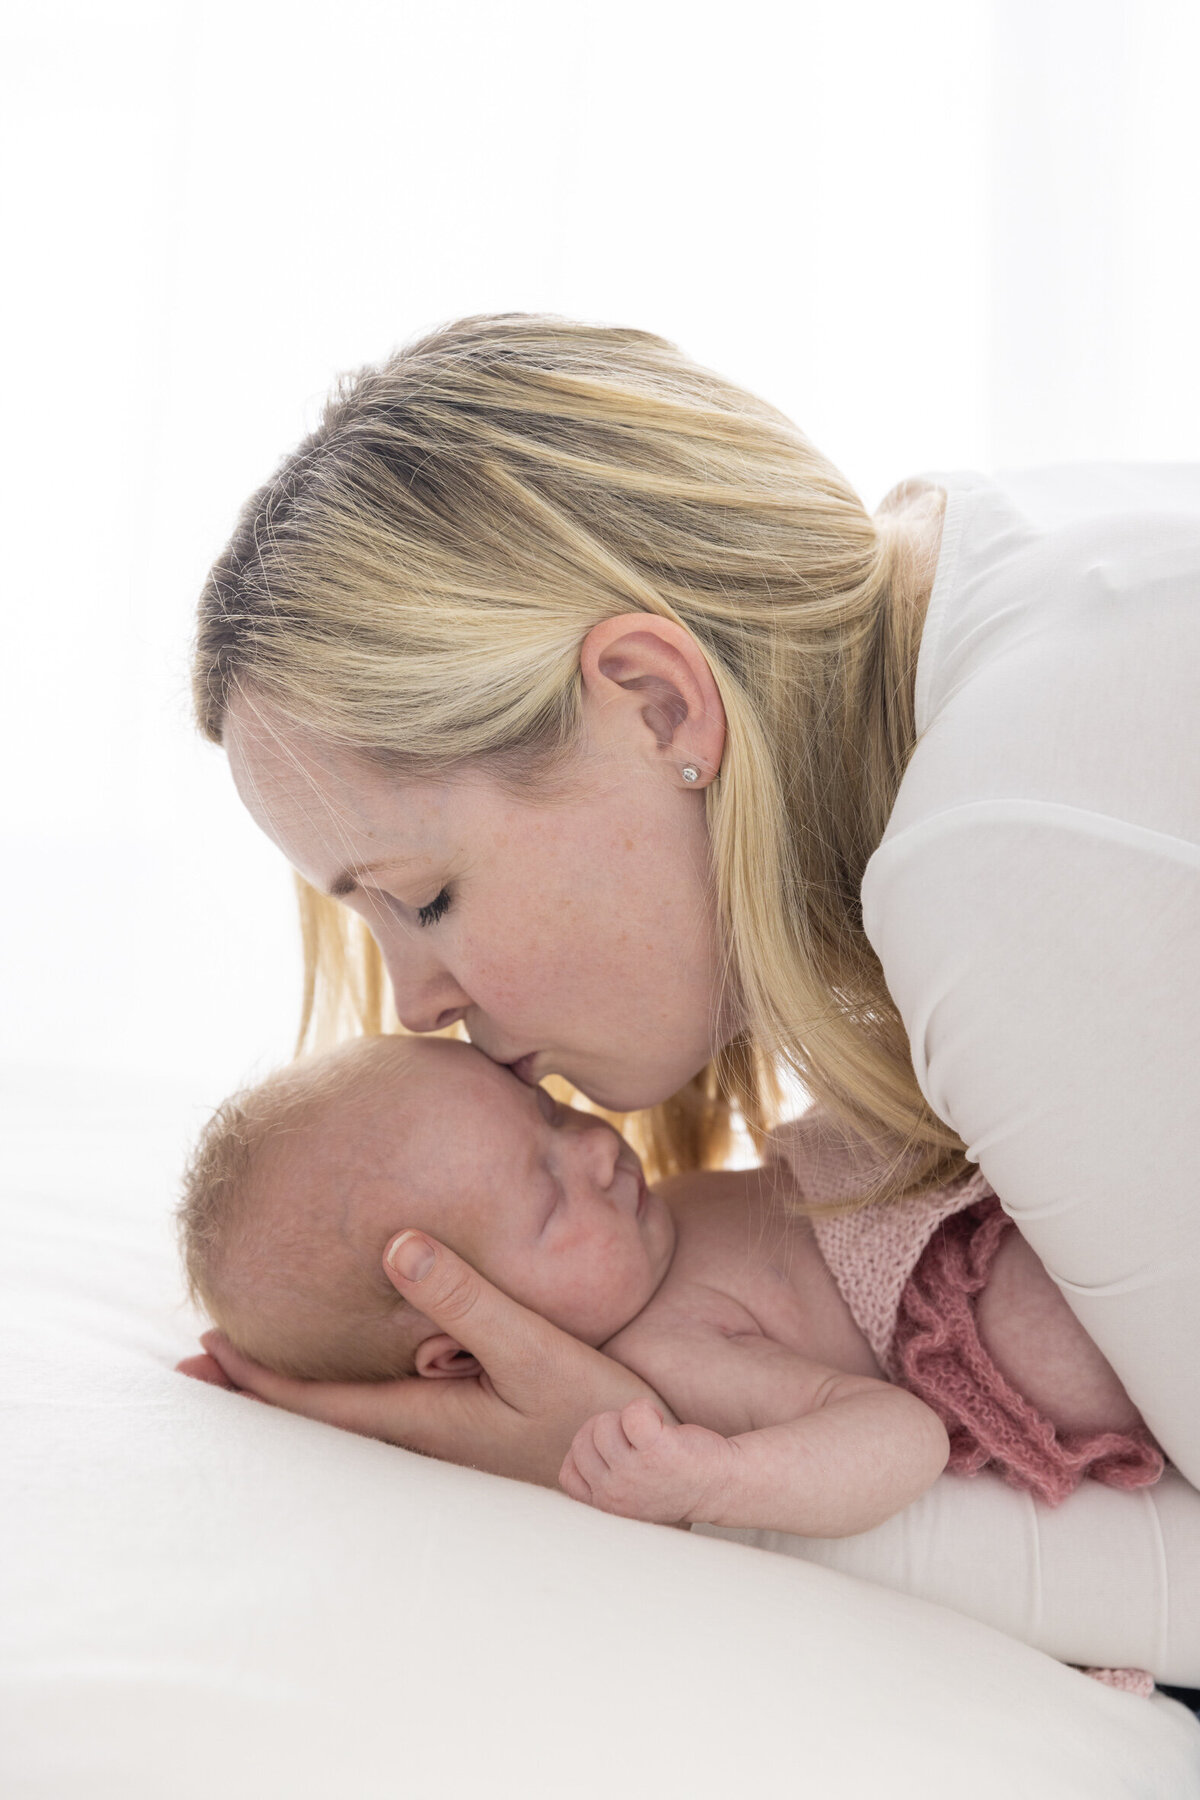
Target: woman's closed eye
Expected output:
[436,909]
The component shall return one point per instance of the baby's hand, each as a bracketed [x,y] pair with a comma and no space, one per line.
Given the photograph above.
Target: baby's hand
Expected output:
[632,1463]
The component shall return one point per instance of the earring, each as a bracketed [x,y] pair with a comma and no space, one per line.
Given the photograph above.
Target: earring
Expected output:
[690,773]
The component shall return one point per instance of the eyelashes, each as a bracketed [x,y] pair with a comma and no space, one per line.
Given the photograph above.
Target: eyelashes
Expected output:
[437,908]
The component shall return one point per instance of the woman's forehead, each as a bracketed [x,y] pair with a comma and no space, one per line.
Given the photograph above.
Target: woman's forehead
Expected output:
[276,761]
[323,805]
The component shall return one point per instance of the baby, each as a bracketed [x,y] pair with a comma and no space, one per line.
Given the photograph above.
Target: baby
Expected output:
[821,1371]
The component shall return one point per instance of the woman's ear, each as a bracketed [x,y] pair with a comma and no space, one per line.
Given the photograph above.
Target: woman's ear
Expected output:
[442,1358]
[647,679]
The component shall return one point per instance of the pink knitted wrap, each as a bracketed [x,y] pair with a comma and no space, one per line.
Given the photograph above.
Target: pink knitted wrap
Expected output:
[910,1272]
[872,1252]
[936,1352]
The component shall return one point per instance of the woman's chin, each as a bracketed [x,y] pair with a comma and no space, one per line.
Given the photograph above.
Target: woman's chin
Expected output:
[623,1094]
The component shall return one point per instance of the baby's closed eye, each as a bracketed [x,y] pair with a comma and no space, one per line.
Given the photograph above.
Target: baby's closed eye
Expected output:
[552,1204]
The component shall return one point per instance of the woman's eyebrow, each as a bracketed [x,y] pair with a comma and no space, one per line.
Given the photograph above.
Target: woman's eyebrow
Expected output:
[347,881]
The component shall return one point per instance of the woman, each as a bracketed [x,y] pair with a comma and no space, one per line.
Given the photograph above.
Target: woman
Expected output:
[650,758]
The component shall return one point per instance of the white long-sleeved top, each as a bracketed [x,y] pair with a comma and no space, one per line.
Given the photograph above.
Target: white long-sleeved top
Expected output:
[1035,901]
[1035,905]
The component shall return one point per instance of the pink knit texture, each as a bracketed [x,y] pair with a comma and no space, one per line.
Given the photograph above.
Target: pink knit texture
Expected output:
[1130,1681]
[937,1355]
[872,1252]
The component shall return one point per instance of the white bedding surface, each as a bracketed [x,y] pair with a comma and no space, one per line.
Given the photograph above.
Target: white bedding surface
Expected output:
[209,1598]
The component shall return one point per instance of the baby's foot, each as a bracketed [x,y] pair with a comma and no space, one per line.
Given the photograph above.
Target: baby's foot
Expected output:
[632,1463]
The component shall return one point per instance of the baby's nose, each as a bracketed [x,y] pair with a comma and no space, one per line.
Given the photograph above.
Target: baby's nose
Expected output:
[597,1147]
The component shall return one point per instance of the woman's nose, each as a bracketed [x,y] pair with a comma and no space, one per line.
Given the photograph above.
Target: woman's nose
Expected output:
[428,1001]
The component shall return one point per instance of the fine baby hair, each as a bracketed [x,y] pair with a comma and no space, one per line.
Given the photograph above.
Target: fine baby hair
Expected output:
[251,1237]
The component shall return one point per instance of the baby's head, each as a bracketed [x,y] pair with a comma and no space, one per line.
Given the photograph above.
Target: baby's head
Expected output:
[296,1186]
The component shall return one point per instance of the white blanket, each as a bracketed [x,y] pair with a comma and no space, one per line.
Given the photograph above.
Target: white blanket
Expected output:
[210,1600]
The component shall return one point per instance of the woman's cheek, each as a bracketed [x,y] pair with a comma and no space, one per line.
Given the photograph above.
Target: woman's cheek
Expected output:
[504,983]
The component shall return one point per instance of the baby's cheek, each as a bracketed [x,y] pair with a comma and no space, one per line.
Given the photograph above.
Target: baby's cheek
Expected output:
[596,1291]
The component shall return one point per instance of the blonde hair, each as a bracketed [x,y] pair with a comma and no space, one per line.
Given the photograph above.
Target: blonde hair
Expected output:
[415,582]
[246,1259]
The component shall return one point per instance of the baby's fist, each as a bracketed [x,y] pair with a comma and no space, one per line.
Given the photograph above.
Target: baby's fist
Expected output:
[634,1464]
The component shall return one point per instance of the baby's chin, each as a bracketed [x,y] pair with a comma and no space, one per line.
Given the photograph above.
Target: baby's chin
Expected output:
[622,1318]
[611,1345]
[592,1325]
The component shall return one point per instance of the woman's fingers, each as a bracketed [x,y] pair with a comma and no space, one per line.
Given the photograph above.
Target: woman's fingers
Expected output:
[242,1373]
[204,1368]
[367,1407]
[454,1420]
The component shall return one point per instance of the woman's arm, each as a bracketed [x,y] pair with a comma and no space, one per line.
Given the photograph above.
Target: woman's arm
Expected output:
[1110,1578]
[1051,992]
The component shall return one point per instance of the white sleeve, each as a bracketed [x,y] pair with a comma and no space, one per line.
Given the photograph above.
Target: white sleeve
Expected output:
[1046,963]
[1107,1579]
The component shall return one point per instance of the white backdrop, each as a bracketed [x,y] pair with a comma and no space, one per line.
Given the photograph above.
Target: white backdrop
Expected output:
[952,234]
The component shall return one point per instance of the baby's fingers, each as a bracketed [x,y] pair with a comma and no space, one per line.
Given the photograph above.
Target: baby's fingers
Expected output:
[619,1437]
[586,1467]
[641,1424]
[571,1481]
[603,1459]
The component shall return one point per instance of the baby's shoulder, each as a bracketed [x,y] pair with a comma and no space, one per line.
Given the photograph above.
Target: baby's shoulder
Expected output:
[716,1210]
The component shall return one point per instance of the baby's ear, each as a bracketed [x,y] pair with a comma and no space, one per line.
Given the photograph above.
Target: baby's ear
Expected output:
[443,1357]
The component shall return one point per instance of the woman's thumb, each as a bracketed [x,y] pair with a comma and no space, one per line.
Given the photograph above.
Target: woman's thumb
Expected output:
[445,1288]
[410,1256]
[503,1334]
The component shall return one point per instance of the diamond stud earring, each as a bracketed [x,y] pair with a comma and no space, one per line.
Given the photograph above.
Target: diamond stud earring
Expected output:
[690,774]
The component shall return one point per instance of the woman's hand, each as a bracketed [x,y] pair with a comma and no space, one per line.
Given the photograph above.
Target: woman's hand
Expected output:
[517,1417]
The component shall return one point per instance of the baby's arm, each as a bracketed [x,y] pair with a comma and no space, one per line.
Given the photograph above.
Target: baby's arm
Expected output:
[771,1440]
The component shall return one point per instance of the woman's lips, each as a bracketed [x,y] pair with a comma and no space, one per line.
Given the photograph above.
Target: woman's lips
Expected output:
[523,1068]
